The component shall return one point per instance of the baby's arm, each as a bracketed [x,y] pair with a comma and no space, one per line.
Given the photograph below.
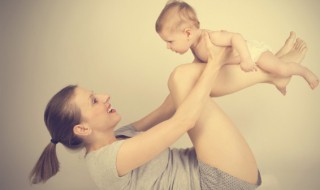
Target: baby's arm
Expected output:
[224,38]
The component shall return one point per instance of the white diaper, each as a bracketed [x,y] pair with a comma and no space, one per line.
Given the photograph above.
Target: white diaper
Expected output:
[256,48]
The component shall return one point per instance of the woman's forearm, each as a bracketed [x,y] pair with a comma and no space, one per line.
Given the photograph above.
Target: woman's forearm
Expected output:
[190,107]
[163,112]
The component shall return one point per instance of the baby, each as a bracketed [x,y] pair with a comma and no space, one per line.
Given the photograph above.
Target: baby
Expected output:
[179,27]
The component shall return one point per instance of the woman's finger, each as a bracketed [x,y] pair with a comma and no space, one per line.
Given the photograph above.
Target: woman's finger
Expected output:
[208,41]
[213,50]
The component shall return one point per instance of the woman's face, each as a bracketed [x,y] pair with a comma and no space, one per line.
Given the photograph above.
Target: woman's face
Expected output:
[96,110]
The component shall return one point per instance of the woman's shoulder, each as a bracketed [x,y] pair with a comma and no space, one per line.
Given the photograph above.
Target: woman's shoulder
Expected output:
[107,150]
[126,132]
[101,164]
[112,149]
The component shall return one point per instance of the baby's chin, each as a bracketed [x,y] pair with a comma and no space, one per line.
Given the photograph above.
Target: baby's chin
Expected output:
[181,53]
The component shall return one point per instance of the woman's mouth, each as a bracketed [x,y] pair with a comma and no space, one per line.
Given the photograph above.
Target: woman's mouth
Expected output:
[111,110]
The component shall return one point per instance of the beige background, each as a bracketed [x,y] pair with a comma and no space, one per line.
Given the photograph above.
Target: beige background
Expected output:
[111,46]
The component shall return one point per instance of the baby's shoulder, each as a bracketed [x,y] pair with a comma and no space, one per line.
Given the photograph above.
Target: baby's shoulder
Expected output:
[214,31]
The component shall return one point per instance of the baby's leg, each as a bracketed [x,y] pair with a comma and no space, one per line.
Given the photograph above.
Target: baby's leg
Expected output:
[217,141]
[270,63]
[289,43]
[296,54]
[228,79]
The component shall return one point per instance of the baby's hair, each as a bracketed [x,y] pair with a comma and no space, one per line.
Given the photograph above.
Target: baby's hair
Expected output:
[172,1]
[185,12]
[61,115]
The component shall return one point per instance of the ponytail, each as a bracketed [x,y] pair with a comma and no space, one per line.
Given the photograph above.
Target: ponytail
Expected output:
[60,116]
[46,166]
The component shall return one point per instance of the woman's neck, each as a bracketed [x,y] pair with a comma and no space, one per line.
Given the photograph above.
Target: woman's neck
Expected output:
[100,140]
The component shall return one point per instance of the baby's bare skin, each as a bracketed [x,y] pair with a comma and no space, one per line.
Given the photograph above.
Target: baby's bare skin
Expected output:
[294,51]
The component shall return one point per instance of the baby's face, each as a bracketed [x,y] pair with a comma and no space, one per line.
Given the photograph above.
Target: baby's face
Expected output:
[176,41]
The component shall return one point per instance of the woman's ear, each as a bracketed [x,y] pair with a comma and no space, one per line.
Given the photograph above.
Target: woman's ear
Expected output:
[82,130]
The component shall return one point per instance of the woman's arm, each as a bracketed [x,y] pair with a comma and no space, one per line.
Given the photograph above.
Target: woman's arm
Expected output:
[163,112]
[238,43]
[145,146]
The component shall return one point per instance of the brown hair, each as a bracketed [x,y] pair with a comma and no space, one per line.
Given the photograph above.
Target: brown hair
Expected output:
[60,116]
[184,11]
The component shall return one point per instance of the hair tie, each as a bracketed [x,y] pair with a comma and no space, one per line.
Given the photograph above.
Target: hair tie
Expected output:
[54,141]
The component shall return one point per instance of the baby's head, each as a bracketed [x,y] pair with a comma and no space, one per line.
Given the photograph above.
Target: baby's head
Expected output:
[177,15]
[176,25]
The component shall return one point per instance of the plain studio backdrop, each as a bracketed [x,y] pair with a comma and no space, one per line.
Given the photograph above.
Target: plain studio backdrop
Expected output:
[111,47]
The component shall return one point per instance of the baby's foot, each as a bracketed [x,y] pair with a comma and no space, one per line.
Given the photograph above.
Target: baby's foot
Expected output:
[311,78]
[301,47]
[296,54]
[287,45]
[281,84]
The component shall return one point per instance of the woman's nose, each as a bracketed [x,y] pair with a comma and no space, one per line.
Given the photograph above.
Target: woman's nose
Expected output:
[104,98]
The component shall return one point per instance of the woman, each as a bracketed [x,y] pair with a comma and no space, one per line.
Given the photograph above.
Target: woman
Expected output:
[129,159]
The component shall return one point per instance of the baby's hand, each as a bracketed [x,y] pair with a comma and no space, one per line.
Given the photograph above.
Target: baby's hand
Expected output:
[248,65]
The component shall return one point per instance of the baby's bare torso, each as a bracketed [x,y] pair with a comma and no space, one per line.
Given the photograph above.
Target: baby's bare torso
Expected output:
[201,54]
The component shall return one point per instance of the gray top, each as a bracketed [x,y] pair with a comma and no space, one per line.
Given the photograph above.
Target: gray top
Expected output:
[172,169]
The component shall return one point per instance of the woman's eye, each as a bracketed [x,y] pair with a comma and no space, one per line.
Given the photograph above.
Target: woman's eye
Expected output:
[94,100]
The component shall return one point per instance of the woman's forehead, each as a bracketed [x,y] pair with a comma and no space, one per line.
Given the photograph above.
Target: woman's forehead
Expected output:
[82,96]
[80,91]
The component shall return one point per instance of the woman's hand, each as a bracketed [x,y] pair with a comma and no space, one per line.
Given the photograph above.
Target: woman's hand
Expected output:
[216,54]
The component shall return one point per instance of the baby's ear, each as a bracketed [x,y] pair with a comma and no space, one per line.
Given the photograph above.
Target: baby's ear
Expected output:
[188,32]
[82,130]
